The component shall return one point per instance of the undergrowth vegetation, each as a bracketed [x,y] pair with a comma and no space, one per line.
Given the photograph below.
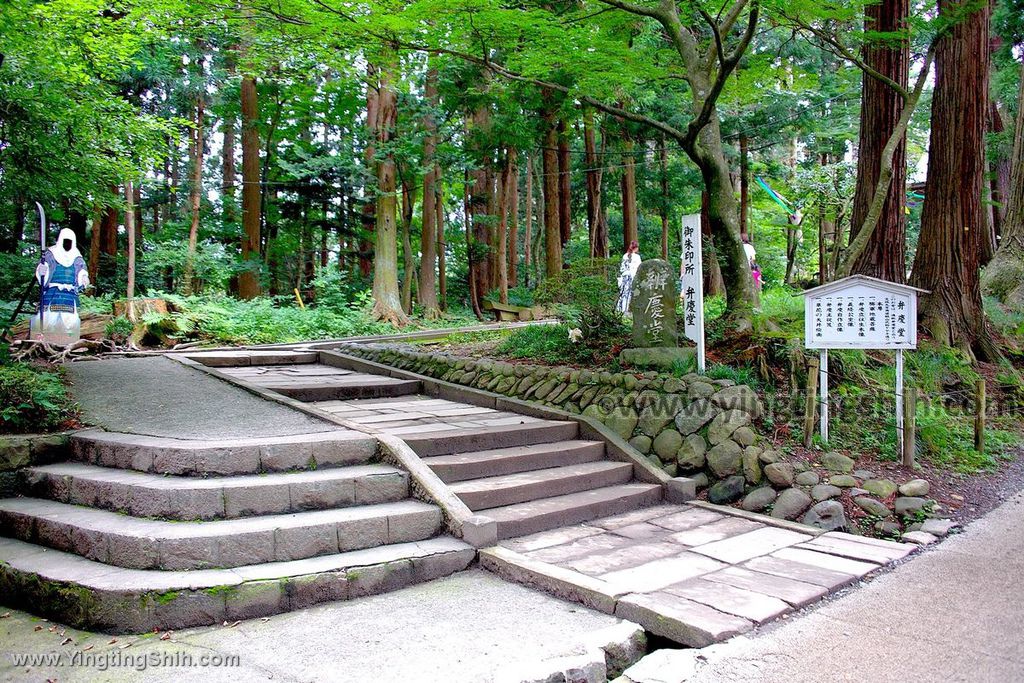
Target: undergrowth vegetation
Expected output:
[32,399]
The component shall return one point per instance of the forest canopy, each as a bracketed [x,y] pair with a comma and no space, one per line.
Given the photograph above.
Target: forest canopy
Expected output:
[425,157]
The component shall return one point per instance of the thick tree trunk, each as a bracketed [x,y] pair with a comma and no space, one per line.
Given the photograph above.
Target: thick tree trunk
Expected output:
[513,235]
[630,229]
[714,285]
[744,188]
[248,279]
[953,219]
[501,238]
[881,106]
[1004,275]
[94,246]
[552,212]
[227,166]
[194,195]
[564,184]
[597,220]
[408,260]
[528,225]
[427,293]
[442,258]
[387,304]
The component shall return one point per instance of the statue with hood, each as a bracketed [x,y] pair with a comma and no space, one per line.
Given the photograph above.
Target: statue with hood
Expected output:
[62,275]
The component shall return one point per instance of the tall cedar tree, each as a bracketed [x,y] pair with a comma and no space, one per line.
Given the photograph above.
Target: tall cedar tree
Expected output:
[881,106]
[248,279]
[953,220]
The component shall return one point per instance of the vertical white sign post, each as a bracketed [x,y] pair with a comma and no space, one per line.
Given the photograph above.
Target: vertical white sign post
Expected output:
[691,285]
[861,312]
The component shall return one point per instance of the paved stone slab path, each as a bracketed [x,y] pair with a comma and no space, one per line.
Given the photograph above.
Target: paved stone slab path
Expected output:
[695,574]
[159,397]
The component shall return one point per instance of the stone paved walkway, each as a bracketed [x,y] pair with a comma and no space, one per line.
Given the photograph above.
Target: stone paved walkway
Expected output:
[421,414]
[694,574]
[156,396]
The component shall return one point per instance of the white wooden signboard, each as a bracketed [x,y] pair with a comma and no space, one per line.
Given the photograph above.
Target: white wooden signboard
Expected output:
[860,312]
[691,285]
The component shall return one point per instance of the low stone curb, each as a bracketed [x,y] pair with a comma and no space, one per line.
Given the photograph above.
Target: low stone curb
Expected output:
[25,450]
[89,595]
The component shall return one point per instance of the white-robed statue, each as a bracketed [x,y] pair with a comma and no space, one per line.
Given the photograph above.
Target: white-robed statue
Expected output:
[627,271]
[62,275]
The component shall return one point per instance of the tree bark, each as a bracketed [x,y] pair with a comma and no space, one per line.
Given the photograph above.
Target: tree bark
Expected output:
[999,186]
[953,219]
[248,279]
[94,245]
[513,235]
[1004,275]
[427,293]
[597,220]
[745,188]
[501,238]
[714,285]
[442,275]
[881,107]
[552,212]
[663,158]
[408,261]
[195,195]
[227,166]
[564,184]
[387,304]
[528,224]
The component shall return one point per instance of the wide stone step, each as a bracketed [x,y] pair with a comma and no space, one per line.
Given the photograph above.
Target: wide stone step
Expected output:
[462,466]
[89,595]
[163,455]
[492,492]
[142,494]
[150,544]
[548,513]
[344,389]
[487,438]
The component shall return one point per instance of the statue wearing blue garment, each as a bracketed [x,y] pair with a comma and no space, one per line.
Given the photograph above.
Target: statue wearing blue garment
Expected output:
[62,275]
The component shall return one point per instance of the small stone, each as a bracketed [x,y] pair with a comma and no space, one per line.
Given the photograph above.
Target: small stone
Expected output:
[856,492]
[790,504]
[938,527]
[622,421]
[751,465]
[780,474]
[800,466]
[744,436]
[642,443]
[864,474]
[700,390]
[837,462]
[759,499]
[807,479]
[739,397]
[694,416]
[888,527]
[727,490]
[843,481]
[700,479]
[915,488]
[691,455]
[919,537]
[667,444]
[825,491]
[725,458]
[875,508]
[770,456]
[908,505]
[880,488]
[827,515]
[724,424]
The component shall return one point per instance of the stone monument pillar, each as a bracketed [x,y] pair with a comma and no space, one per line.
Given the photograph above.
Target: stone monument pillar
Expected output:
[655,338]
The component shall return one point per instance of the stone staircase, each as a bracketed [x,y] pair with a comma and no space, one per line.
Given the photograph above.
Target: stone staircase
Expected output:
[527,474]
[138,532]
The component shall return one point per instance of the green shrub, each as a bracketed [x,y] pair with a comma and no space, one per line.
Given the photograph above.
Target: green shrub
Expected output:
[119,329]
[32,400]
[547,343]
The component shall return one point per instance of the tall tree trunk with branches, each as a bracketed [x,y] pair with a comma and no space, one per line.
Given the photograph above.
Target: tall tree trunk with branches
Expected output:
[953,219]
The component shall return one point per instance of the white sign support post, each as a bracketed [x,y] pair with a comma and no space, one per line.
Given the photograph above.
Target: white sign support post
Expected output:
[861,312]
[691,285]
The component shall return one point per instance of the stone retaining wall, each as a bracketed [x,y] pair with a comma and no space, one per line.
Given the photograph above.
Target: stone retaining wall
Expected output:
[690,426]
[26,450]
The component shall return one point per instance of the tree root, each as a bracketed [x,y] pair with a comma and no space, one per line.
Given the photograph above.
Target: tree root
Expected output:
[36,349]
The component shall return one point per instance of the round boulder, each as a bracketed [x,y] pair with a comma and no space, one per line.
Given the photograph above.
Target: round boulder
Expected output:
[667,444]
[915,488]
[780,474]
[807,479]
[825,491]
[725,458]
[759,499]
[875,508]
[642,443]
[726,491]
[837,462]
[724,424]
[879,488]
[691,455]
[790,504]
[827,515]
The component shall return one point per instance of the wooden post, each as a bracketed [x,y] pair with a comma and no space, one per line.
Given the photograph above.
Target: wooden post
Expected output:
[900,436]
[910,428]
[812,400]
[979,416]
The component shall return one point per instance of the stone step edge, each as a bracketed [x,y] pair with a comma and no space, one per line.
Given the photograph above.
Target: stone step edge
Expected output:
[197,458]
[135,543]
[512,489]
[154,496]
[89,595]
[568,584]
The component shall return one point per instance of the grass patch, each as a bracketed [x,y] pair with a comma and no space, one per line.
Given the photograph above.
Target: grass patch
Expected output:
[33,400]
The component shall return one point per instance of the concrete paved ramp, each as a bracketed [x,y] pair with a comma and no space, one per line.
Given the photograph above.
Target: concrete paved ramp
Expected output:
[697,573]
